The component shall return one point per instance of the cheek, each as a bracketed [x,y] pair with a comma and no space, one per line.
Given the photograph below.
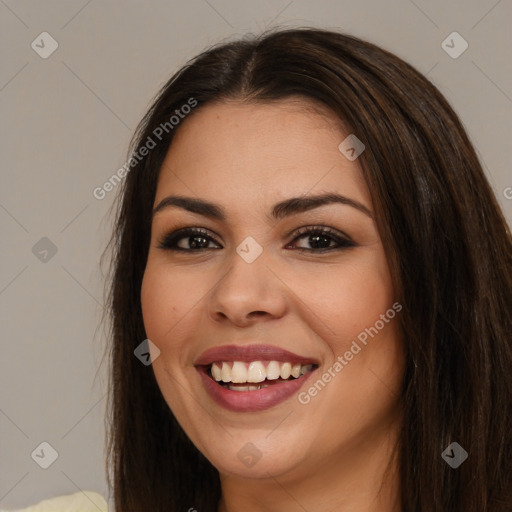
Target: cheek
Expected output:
[162,303]
[164,309]
[347,298]
[361,392]
[153,302]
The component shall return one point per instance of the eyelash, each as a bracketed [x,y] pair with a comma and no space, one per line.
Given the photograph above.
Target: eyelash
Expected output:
[168,242]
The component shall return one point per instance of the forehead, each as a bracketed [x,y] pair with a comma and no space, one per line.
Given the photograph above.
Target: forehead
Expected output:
[237,151]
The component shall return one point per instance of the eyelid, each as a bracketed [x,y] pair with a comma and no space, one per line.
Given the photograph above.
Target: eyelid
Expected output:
[175,235]
[319,228]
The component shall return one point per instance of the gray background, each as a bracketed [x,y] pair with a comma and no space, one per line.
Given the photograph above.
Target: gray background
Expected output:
[66,124]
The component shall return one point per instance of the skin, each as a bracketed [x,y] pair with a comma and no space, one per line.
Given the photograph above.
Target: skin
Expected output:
[328,454]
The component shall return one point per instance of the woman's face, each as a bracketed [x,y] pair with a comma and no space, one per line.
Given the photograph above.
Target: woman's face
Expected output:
[261,293]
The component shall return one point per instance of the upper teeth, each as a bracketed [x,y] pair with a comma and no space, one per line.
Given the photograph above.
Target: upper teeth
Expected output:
[256,371]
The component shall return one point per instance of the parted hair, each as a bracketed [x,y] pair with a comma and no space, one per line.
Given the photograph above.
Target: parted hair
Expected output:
[447,244]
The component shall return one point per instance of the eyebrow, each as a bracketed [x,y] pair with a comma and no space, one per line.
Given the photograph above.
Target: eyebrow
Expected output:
[279,211]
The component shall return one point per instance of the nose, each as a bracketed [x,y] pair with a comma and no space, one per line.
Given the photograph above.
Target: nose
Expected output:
[247,293]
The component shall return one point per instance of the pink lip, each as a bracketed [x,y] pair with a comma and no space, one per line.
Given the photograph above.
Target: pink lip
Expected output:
[250,401]
[248,353]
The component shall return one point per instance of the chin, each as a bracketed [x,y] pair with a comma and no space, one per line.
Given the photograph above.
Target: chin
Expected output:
[258,454]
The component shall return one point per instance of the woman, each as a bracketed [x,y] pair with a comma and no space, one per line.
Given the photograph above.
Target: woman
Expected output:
[310,257]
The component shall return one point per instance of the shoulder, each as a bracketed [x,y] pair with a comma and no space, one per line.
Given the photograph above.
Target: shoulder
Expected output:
[86,501]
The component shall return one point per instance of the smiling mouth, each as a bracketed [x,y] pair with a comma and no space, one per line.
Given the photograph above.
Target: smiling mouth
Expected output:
[255,375]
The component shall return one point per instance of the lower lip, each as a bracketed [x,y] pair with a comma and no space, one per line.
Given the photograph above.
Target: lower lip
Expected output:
[251,401]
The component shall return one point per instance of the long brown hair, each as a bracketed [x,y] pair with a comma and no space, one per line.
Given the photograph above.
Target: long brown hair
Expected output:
[448,247]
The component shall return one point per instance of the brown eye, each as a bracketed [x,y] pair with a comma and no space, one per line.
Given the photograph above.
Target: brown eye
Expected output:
[322,239]
[188,240]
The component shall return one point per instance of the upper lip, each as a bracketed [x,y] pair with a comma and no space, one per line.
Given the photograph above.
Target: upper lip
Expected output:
[248,353]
